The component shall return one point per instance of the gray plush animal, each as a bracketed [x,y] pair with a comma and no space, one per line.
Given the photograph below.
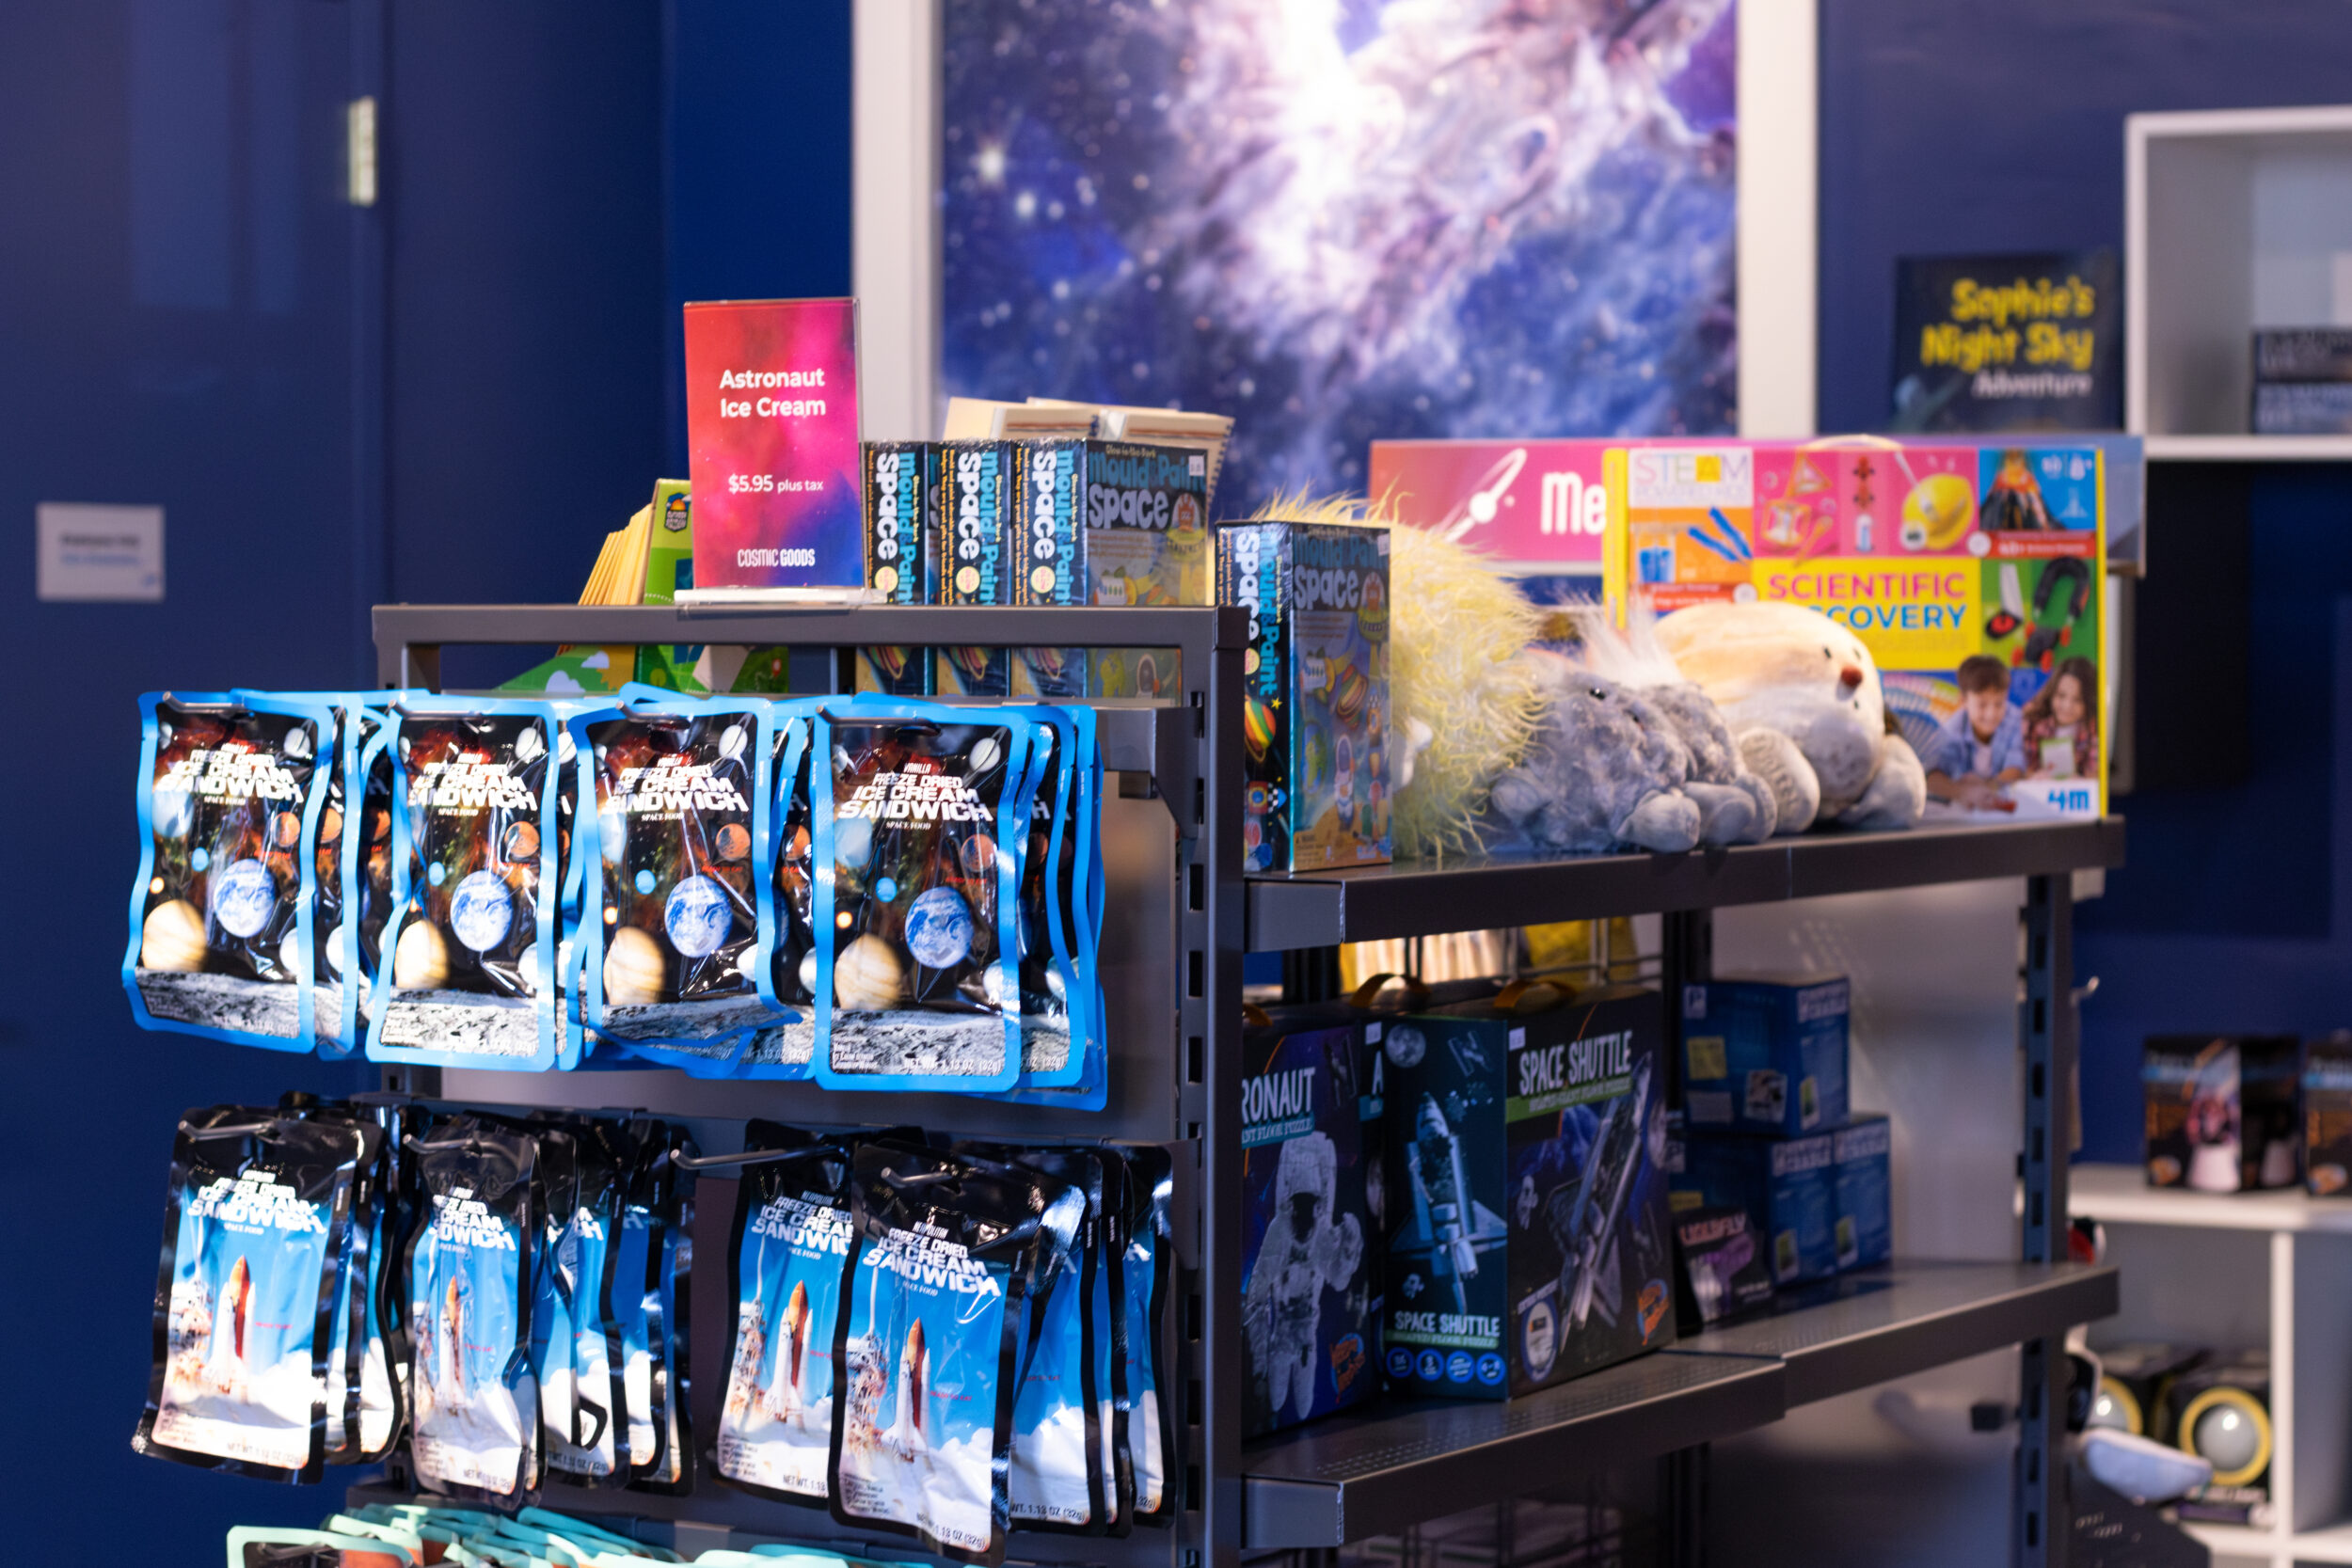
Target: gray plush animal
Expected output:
[1608,768]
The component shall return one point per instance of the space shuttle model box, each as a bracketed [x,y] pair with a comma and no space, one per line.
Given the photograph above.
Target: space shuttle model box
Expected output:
[1529,1237]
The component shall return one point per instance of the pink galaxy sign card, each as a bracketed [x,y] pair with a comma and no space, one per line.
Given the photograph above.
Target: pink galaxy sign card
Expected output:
[771,425]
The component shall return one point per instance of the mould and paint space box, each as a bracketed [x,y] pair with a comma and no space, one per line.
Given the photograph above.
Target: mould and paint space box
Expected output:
[901,484]
[1527,1224]
[1766,1054]
[1787,1186]
[1046,561]
[1862,1179]
[2219,1111]
[2328,1115]
[1315,709]
[1142,528]
[1308,1255]
[978,486]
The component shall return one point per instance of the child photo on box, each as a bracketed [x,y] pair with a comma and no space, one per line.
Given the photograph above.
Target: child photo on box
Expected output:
[2062,724]
[1981,747]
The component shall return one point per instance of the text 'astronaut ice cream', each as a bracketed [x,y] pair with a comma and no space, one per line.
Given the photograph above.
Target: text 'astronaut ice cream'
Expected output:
[229,796]
[1306,1293]
[792,1239]
[257,1231]
[918,886]
[926,1354]
[474,1398]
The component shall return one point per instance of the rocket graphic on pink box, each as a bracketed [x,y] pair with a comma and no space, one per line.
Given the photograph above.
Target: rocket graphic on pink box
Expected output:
[772,426]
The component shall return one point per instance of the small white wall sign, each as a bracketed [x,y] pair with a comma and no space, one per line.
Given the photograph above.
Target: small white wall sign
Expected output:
[99,553]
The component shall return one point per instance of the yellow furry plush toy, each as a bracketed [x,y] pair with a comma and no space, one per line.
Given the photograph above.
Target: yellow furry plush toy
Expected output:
[1464,696]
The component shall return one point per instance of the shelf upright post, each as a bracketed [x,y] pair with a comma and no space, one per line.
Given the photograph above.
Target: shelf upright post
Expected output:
[1210,1006]
[2046,1028]
[1687,958]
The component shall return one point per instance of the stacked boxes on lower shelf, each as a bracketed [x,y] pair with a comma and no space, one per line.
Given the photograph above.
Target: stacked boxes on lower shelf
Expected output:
[1769,1135]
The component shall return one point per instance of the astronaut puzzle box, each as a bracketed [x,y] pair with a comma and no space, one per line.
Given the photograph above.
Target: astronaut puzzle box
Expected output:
[1530,1237]
[1315,709]
[1308,1252]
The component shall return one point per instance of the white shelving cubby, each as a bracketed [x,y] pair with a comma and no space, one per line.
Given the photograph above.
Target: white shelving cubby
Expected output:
[2234,219]
[2245,1271]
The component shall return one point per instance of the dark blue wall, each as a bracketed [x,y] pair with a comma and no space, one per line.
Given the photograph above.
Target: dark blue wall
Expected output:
[1999,126]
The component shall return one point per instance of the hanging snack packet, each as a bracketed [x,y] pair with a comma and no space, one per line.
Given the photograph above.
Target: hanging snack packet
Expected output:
[1056,1479]
[482,805]
[228,801]
[275,1546]
[354,1382]
[363,869]
[917,895]
[784,1048]
[255,1230]
[927,1347]
[556,1170]
[1058,1019]
[474,1402]
[674,1472]
[646,1302]
[589,1454]
[675,926]
[1145,1275]
[791,1235]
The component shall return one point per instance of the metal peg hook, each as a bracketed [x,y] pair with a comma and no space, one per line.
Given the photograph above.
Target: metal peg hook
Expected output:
[749,1157]
[227,1129]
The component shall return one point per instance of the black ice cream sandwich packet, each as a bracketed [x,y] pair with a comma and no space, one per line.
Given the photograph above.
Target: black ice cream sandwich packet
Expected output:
[256,1240]
[473,1393]
[363,1402]
[482,818]
[792,1236]
[1147,1267]
[229,793]
[927,1352]
[647,1268]
[676,923]
[589,1450]
[917,893]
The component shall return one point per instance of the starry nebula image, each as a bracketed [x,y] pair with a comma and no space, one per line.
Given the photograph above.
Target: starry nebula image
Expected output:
[1338,220]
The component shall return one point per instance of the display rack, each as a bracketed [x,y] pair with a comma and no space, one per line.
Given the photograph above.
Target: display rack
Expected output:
[1181,916]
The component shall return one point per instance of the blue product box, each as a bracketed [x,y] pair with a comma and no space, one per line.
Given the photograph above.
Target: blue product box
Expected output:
[1766,1054]
[1866,1193]
[1787,1185]
[1309,1254]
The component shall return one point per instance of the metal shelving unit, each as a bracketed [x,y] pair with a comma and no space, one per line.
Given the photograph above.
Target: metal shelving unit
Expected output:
[1183,915]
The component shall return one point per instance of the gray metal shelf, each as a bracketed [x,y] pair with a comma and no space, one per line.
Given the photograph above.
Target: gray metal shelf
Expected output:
[1403,1464]
[1317,908]
[1408,1462]
[1884,1322]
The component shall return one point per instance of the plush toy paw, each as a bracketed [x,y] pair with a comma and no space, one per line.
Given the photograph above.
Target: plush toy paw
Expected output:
[1898,796]
[1662,823]
[1727,813]
[1764,808]
[1843,747]
[1774,758]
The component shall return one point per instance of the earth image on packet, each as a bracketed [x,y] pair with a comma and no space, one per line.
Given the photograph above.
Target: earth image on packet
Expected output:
[229,796]
[792,1236]
[921,902]
[259,1211]
[480,819]
[673,956]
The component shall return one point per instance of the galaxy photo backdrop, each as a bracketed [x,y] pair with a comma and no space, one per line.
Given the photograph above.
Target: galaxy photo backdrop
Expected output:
[1341,219]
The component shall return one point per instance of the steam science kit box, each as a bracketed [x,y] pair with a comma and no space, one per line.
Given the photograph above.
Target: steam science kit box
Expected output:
[1527,1224]
[1308,1255]
[1766,1055]
[2221,1110]
[1315,720]
[2328,1115]
[1788,1186]
[1863,1192]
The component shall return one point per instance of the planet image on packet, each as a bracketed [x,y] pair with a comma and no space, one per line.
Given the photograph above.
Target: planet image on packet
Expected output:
[219,911]
[697,917]
[482,910]
[939,928]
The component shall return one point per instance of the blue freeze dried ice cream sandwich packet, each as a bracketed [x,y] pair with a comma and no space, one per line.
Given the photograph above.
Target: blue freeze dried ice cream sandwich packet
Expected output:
[222,937]
[917,893]
[1057,1479]
[791,1237]
[473,1398]
[784,1046]
[255,1235]
[482,818]
[1061,920]
[1145,1273]
[927,1351]
[676,920]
